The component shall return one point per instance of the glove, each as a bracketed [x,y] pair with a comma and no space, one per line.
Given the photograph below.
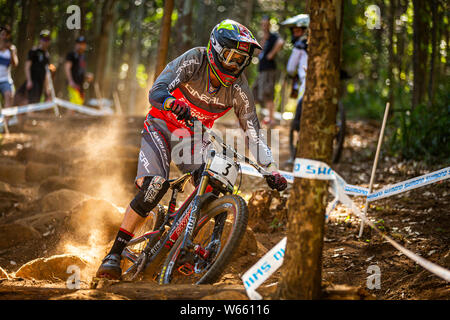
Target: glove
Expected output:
[276,181]
[181,109]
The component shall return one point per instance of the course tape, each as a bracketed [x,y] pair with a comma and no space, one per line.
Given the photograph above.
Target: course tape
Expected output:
[312,169]
[263,269]
[82,109]
[9,112]
[349,189]
[410,184]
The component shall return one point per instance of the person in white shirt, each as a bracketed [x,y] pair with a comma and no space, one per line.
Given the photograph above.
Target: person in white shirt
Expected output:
[8,58]
[296,68]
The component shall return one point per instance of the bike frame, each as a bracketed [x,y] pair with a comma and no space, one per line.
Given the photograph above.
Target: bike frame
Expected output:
[185,219]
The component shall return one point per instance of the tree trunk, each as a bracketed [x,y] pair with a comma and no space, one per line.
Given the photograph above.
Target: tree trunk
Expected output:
[248,13]
[102,41]
[391,31]
[83,8]
[164,37]
[27,34]
[401,63]
[10,4]
[134,56]
[183,31]
[420,55]
[434,48]
[64,44]
[302,268]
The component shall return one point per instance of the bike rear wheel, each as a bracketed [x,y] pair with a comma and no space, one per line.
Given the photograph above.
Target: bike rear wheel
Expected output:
[219,232]
[338,142]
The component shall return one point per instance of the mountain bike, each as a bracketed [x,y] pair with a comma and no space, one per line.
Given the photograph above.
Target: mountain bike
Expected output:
[338,140]
[195,243]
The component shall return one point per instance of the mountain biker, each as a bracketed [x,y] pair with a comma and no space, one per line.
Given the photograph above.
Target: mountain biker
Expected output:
[296,67]
[205,83]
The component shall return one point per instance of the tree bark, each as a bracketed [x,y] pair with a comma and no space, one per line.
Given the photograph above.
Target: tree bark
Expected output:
[391,31]
[183,31]
[248,13]
[164,37]
[27,34]
[102,41]
[134,56]
[434,48]
[401,63]
[420,54]
[10,4]
[302,268]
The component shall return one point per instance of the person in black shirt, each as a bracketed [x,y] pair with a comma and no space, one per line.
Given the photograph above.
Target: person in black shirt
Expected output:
[265,83]
[75,69]
[35,70]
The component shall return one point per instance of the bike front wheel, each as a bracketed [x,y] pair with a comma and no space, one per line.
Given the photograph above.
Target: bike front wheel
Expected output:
[216,238]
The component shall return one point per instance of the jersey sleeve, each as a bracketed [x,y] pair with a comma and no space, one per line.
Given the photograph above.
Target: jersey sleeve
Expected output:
[176,72]
[302,65]
[244,108]
[293,62]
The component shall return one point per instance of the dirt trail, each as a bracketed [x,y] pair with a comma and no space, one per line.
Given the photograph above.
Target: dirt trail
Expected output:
[64,184]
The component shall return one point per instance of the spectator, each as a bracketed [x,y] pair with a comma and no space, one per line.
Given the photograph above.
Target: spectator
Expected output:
[35,71]
[8,58]
[75,69]
[296,68]
[265,83]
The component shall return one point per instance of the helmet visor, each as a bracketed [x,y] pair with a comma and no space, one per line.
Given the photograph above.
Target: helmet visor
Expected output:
[233,59]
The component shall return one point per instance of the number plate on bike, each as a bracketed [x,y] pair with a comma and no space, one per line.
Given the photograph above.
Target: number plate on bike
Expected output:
[224,170]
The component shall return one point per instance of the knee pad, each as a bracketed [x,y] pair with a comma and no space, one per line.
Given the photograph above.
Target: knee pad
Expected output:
[151,192]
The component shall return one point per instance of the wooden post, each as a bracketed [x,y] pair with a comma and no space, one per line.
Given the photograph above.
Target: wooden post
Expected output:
[375,163]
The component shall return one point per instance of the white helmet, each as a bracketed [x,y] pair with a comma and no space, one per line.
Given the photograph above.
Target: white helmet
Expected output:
[300,20]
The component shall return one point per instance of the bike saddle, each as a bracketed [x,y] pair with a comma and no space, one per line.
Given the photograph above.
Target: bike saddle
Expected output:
[180,183]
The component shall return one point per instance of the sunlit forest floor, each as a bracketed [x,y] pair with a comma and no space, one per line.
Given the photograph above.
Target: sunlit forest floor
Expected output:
[65,183]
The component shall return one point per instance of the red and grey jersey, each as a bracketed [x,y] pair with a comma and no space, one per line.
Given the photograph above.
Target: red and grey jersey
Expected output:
[187,78]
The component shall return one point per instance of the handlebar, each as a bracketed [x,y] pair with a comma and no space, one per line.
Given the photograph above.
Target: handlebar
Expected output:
[215,137]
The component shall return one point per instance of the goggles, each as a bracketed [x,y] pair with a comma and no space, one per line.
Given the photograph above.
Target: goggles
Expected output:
[234,58]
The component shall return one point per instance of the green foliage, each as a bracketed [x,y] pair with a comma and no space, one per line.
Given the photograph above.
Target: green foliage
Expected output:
[422,134]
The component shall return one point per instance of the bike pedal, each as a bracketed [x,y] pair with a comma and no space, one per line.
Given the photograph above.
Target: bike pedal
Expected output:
[186,269]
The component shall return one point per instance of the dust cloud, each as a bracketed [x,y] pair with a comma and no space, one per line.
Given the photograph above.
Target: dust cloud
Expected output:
[106,170]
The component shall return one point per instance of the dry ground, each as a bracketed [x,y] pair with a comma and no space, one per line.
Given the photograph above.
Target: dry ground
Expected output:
[49,167]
